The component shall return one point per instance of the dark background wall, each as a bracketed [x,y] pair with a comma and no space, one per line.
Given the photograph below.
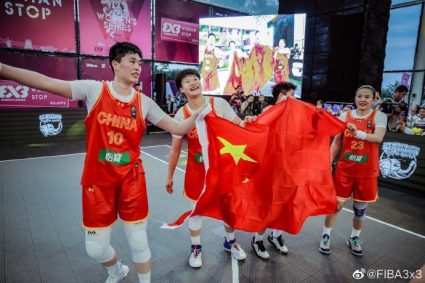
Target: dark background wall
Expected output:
[345,45]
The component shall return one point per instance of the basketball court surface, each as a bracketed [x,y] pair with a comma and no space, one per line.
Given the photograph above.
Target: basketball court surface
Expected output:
[42,240]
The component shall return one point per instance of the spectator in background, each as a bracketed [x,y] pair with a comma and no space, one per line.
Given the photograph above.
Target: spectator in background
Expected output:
[395,108]
[169,104]
[417,126]
[329,109]
[236,99]
[260,104]
[414,112]
[247,107]
[346,108]
[180,99]
[338,111]
[319,104]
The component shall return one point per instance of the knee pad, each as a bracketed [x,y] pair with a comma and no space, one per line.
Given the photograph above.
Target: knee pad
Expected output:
[138,241]
[195,223]
[98,246]
[359,209]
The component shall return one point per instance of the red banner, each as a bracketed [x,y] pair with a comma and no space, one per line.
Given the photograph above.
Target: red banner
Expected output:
[38,25]
[103,24]
[173,30]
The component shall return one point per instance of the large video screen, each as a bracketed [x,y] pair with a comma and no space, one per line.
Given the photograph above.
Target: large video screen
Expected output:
[255,52]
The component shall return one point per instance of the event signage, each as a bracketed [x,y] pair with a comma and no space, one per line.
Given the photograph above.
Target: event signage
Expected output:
[398,160]
[103,23]
[14,95]
[46,25]
[50,124]
[173,30]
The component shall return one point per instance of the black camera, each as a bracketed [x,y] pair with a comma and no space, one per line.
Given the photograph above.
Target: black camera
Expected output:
[390,106]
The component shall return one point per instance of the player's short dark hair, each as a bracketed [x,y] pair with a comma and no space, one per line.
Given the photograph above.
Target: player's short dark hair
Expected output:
[120,49]
[401,88]
[282,87]
[183,73]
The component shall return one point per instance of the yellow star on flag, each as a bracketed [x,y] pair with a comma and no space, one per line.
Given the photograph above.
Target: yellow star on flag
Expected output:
[236,151]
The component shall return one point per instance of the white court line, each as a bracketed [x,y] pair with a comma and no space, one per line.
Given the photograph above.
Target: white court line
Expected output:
[235,270]
[390,225]
[69,154]
[368,217]
[162,161]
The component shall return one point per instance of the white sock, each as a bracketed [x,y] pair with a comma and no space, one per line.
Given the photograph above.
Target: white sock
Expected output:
[144,277]
[230,236]
[195,240]
[258,237]
[114,269]
[355,232]
[327,231]
[276,233]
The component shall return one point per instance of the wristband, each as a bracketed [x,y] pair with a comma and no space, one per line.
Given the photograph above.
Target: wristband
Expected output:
[361,135]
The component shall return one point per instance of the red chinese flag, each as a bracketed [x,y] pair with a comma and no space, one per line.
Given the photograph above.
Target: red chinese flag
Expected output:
[272,174]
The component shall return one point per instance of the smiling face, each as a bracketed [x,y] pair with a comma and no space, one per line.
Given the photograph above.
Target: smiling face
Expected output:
[191,85]
[129,68]
[422,113]
[364,99]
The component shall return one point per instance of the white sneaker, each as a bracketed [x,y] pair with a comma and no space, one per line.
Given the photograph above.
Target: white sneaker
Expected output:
[115,278]
[278,243]
[259,249]
[195,259]
[235,249]
[324,247]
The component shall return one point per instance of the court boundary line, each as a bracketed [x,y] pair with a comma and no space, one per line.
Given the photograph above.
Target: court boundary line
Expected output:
[68,154]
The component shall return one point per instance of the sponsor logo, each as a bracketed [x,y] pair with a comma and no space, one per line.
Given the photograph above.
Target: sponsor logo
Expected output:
[50,124]
[398,160]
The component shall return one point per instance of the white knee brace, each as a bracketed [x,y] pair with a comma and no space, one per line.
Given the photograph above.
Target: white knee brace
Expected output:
[98,245]
[138,241]
[195,223]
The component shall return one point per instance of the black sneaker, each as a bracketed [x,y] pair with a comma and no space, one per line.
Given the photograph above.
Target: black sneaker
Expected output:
[278,243]
[259,249]
[355,246]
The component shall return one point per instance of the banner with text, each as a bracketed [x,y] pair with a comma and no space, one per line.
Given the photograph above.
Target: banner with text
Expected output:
[103,23]
[173,30]
[14,95]
[38,25]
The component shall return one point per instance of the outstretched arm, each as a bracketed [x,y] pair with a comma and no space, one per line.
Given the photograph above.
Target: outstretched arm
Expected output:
[36,80]
[176,146]
[178,128]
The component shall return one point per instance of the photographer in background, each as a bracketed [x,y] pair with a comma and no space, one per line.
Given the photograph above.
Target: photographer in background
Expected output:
[395,108]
